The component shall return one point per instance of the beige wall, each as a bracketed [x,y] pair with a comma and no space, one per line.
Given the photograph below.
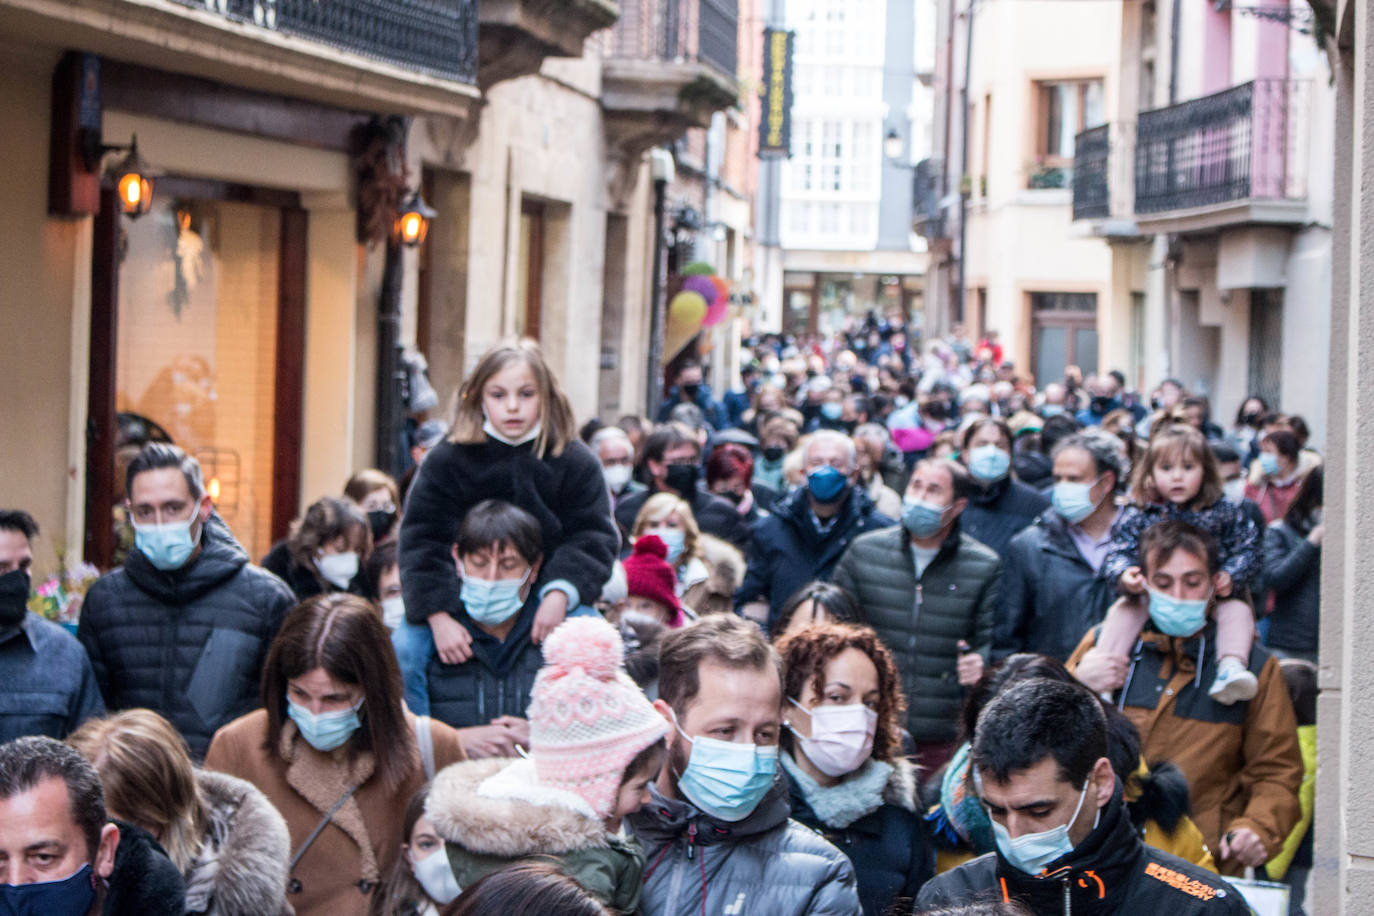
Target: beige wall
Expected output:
[539,138]
[45,266]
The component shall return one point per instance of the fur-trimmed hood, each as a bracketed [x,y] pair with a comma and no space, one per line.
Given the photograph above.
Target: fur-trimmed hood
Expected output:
[241,867]
[497,807]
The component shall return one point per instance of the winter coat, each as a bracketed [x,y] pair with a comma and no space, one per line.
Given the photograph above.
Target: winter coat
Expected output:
[1242,761]
[998,512]
[787,551]
[493,812]
[1050,595]
[188,644]
[871,816]
[1111,872]
[241,867]
[1292,572]
[566,494]
[144,881]
[494,682]
[766,863]
[712,411]
[47,686]
[921,621]
[715,516]
[724,568]
[341,868]
[1034,469]
[1238,540]
[1274,497]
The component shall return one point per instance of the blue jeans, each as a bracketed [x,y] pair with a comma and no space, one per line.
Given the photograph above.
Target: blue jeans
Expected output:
[414,647]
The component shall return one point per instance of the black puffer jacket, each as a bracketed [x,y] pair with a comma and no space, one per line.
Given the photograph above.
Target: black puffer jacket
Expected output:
[188,644]
[1050,595]
[921,622]
[1292,571]
[787,551]
[494,682]
[566,494]
[1111,872]
[889,847]
[998,512]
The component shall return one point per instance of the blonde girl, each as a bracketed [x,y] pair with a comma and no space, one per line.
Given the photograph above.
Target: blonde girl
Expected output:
[709,570]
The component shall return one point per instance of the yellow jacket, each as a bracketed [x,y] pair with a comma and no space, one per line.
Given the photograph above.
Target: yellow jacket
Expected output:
[1277,867]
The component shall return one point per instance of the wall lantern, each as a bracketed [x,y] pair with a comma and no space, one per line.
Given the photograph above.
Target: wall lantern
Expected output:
[132,176]
[893,147]
[412,225]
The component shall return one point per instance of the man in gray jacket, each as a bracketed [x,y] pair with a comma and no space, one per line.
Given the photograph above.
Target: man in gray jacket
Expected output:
[717,829]
[930,591]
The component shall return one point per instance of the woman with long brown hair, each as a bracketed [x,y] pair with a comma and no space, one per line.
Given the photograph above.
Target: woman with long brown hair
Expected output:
[335,750]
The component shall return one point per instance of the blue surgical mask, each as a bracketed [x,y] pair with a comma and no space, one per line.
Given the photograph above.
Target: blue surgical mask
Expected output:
[1031,852]
[832,411]
[724,779]
[325,731]
[1074,500]
[69,896]
[492,601]
[675,539]
[1176,616]
[922,519]
[826,484]
[167,546]
[988,463]
[1051,410]
[1269,463]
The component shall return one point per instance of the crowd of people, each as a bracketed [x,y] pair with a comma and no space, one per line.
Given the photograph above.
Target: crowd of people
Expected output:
[887,629]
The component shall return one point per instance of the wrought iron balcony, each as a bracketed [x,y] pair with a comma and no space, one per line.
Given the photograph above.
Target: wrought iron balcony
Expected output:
[1242,144]
[433,37]
[679,31]
[1091,192]
[927,215]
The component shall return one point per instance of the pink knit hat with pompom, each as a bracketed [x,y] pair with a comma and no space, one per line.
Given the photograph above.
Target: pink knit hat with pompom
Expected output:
[588,720]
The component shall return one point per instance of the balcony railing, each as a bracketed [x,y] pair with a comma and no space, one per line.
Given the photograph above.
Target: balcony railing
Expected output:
[1244,143]
[435,37]
[705,31]
[1103,171]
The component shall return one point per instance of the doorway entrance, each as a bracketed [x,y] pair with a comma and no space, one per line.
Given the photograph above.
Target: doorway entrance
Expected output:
[197,339]
[1063,333]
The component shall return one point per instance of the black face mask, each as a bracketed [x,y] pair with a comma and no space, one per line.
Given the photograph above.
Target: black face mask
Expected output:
[14,597]
[690,392]
[380,520]
[682,478]
[1101,404]
[734,497]
[773,452]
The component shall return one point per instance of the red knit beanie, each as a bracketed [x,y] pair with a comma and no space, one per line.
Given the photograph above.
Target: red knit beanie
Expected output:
[648,575]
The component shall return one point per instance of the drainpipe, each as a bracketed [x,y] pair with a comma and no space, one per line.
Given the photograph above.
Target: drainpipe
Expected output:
[662,171]
[964,183]
[390,372]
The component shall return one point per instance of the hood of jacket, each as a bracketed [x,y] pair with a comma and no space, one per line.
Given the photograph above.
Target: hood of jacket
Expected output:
[664,819]
[241,866]
[220,558]
[144,881]
[724,565]
[497,807]
[1096,874]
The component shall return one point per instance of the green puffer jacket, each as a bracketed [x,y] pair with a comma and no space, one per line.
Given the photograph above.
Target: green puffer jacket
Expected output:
[494,812]
[922,622]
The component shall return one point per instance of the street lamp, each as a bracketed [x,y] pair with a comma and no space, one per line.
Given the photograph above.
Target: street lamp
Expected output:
[132,177]
[893,147]
[412,223]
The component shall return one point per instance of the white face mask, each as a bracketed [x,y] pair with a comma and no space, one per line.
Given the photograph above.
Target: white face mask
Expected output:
[338,569]
[841,737]
[1234,490]
[436,876]
[617,476]
[393,611]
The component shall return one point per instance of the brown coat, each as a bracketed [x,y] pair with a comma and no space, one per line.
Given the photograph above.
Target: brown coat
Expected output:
[1242,762]
[364,838]
[725,573]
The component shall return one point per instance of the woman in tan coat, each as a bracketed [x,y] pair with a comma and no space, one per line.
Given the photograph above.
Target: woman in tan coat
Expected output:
[335,750]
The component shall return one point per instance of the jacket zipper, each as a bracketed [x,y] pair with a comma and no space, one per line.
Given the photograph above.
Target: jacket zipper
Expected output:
[1068,899]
